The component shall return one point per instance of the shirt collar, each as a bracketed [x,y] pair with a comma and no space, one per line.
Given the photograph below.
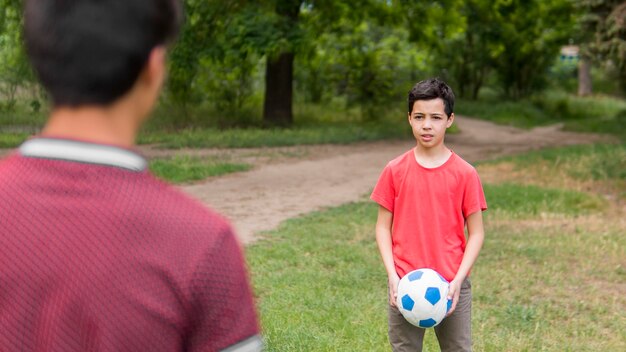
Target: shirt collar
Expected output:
[83,152]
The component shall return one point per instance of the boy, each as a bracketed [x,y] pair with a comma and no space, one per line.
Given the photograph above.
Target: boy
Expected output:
[95,253]
[426,197]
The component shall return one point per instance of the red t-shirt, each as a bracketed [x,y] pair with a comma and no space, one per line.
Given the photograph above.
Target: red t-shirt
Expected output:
[98,255]
[429,207]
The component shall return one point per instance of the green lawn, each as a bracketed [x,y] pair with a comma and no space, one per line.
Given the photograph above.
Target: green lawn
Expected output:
[550,276]
[597,162]
[260,137]
[600,114]
[185,168]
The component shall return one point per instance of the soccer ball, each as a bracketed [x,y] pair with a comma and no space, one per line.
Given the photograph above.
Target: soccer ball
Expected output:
[422,297]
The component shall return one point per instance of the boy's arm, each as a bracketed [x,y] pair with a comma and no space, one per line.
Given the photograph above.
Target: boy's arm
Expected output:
[476,236]
[383,239]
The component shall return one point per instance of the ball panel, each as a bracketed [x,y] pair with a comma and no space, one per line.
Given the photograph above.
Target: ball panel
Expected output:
[432,295]
[415,275]
[407,302]
[442,278]
[427,323]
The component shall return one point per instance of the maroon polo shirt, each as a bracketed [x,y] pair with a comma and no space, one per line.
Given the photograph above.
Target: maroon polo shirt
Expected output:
[98,255]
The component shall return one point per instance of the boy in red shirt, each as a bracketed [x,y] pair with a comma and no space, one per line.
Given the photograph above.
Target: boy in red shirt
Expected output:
[96,254]
[426,197]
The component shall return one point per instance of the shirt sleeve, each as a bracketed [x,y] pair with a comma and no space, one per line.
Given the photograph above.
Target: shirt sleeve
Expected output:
[473,195]
[384,192]
[223,313]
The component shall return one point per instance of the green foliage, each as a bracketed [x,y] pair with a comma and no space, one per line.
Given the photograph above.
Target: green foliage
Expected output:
[15,73]
[585,114]
[185,168]
[204,23]
[12,140]
[603,24]
[360,61]
[529,36]
[461,38]
[365,54]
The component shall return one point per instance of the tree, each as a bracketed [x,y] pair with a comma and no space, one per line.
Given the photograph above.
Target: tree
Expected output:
[15,71]
[462,37]
[605,23]
[205,20]
[277,105]
[294,23]
[585,86]
[530,35]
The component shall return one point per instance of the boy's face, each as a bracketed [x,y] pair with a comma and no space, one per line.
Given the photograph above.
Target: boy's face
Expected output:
[429,122]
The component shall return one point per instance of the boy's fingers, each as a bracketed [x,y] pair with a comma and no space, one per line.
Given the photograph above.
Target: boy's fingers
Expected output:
[392,301]
[452,308]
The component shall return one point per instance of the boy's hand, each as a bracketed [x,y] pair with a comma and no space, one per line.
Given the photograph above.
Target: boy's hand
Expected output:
[453,294]
[394,280]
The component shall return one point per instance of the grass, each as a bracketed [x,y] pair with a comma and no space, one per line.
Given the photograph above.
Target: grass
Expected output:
[320,284]
[601,114]
[183,169]
[542,283]
[524,201]
[335,133]
[314,124]
[257,137]
[600,168]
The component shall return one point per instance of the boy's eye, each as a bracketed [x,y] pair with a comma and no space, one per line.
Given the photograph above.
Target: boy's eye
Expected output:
[419,117]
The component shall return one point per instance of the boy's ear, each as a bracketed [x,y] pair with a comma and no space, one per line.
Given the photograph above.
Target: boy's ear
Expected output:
[450,120]
[154,71]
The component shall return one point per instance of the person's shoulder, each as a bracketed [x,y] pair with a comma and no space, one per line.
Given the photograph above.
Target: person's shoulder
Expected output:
[180,214]
[401,159]
[462,165]
[8,160]
[13,169]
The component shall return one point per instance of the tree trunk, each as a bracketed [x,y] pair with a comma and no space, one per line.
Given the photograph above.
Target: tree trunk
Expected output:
[584,77]
[279,90]
[279,72]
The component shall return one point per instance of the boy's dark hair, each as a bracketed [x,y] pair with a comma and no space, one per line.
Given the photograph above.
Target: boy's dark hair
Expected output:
[92,51]
[432,88]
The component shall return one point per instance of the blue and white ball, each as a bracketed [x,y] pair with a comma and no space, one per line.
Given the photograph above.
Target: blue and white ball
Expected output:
[423,297]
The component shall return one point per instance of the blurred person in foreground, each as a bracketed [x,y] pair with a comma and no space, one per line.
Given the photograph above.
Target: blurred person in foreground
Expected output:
[96,254]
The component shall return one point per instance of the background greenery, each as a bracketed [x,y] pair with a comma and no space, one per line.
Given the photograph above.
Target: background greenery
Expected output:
[354,62]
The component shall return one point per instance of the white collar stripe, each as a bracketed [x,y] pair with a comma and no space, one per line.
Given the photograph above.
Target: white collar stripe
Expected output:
[82,152]
[252,344]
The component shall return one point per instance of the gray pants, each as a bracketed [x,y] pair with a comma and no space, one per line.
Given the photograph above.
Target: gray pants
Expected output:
[453,333]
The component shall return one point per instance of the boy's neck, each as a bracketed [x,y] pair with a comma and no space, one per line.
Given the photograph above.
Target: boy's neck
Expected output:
[431,157]
[105,125]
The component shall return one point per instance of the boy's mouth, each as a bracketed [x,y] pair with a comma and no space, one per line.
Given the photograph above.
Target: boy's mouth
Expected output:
[427,137]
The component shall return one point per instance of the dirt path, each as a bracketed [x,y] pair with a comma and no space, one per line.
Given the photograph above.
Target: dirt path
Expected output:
[291,181]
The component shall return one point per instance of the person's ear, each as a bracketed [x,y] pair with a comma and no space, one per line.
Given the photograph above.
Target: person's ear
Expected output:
[154,71]
[450,120]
